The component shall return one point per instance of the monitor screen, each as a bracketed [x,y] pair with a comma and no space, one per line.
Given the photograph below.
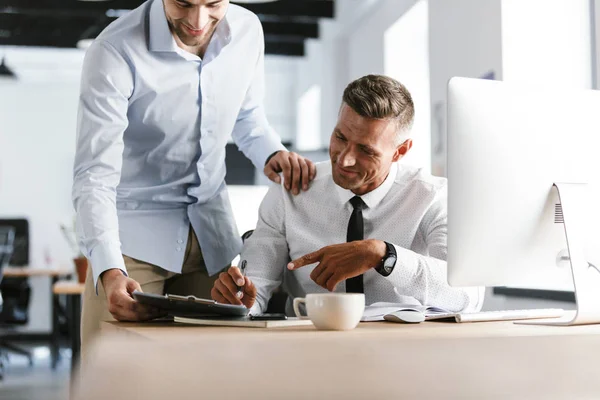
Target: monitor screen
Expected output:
[507,145]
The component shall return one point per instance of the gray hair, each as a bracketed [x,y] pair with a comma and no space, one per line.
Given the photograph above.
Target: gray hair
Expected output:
[382,97]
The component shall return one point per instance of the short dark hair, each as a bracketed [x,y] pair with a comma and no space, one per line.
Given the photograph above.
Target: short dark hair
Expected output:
[382,97]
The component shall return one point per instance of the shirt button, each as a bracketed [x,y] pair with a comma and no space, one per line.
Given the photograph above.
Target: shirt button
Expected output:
[178,248]
[180,241]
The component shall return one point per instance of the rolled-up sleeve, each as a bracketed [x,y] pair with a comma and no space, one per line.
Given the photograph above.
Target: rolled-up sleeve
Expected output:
[106,86]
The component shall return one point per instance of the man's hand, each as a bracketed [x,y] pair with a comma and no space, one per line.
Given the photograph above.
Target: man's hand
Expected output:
[297,170]
[122,306]
[342,261]
[232,284]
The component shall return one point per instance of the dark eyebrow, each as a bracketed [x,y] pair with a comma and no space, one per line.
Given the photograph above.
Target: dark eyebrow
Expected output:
[367,148]
[362,146]
[336,130]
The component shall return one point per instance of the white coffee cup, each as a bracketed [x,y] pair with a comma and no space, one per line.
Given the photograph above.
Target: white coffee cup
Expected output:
[332,311]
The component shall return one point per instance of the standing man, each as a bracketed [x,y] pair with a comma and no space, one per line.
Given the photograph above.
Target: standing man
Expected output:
[162,90]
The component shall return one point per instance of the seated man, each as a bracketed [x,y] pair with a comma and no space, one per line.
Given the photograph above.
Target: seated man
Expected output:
[368,224]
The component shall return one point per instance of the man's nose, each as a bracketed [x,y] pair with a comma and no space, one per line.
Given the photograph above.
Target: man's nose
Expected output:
[347,159]
[200,18]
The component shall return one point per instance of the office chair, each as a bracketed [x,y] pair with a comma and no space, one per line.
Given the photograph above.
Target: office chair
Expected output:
[11,305]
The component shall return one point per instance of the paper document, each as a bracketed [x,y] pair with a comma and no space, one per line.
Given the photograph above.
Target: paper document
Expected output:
[376,311]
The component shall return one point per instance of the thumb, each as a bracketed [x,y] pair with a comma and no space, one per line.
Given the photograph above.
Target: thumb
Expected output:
[133,286]
[250,293]
[249,287]
[272,174]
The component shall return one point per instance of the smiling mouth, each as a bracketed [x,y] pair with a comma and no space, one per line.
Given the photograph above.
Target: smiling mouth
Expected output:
[194,32]
[346,172]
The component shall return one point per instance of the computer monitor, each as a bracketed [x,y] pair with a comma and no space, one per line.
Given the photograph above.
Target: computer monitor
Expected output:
[508,224]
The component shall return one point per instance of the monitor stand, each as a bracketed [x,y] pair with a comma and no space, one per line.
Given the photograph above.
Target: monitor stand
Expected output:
[586,277]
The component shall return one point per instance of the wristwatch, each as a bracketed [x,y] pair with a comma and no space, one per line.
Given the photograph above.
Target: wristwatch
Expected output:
[386,266]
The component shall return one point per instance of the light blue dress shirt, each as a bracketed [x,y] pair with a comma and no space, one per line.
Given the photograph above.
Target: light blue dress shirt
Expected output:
[152,127]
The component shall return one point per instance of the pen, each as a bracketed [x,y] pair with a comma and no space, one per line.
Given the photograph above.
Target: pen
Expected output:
[243,268]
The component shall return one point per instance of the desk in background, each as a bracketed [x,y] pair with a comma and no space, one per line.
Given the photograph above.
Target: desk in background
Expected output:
[73,291]
[54,274]
[432,360]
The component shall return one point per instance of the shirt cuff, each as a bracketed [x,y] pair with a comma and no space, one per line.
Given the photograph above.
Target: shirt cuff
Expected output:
[271,144]
[406,267]
[106,256]
[255,309]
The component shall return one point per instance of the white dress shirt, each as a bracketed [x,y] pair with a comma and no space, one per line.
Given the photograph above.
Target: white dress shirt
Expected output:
[152,127]
[408,210]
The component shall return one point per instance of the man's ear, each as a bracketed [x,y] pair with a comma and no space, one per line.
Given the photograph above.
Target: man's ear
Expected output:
[402,150]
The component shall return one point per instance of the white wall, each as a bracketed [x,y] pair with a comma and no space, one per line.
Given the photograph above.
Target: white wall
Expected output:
[464,40]
[37,146]
[595,22]
[280,85]
[560,54]
[406,58]
[349,47]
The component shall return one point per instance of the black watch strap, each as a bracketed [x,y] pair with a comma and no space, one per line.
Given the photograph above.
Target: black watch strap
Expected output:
[387,264]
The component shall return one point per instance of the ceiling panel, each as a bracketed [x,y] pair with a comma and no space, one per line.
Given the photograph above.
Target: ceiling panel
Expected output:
[62,23]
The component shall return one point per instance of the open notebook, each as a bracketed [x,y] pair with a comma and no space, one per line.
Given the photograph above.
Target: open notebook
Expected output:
[376,311]
[243,322]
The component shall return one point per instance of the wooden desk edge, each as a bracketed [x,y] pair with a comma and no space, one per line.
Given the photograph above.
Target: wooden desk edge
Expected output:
[25,272]
[68,287]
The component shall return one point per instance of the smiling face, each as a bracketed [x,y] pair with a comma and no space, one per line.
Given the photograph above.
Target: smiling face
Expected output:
[363,149]
[193,22]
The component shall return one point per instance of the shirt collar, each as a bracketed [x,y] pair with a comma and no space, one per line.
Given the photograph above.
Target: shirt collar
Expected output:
[374,197]
[161,38]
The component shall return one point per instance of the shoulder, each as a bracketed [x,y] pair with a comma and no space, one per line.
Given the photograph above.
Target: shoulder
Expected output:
[240,15]
[243,22]
[323,183]
[323,172]
[128,30]
[417,178]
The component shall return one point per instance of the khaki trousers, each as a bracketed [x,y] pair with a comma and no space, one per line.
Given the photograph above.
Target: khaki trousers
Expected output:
[193,280]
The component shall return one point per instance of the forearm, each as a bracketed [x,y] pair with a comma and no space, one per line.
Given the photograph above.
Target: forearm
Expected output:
[98,236]
[256,139]
[252,133]
[266,251]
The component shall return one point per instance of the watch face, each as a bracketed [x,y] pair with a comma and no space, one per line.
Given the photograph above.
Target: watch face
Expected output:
[389,263]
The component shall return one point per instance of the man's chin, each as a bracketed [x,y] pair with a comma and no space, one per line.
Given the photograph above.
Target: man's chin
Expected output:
[343,183]
[189,41]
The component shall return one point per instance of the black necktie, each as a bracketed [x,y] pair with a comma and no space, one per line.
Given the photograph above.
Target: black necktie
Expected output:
[355,232]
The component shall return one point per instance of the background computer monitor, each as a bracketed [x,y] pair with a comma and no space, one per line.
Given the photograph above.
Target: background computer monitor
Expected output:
[507,145]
